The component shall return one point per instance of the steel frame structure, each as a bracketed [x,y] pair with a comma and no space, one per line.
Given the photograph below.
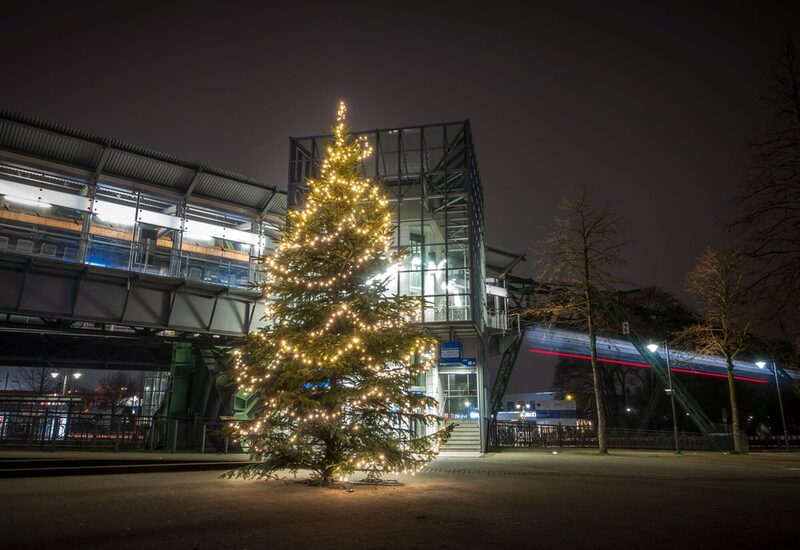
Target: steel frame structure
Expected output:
[431,176]
[38,287]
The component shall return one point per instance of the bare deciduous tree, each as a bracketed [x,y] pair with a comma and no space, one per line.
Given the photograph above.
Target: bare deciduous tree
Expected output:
[36,379]
[769,202]
[579,257]
[114,390]
[719,283]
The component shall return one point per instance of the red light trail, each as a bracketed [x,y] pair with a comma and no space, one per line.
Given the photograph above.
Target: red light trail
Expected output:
[642,365]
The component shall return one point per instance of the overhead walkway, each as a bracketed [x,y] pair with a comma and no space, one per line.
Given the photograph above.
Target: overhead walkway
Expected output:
[575,344]
[45,287]
[629,351]
[114,256]
[572,344]
[96,230]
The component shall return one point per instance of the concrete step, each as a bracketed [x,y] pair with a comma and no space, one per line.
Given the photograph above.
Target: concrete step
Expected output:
[464,439]
[466,428]
[71,467]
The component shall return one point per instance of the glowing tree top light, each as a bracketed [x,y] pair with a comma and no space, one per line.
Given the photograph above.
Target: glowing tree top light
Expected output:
[334,368]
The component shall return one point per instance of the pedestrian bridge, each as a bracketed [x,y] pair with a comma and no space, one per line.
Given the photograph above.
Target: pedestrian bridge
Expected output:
[557,342]
[96,230]
[36,286]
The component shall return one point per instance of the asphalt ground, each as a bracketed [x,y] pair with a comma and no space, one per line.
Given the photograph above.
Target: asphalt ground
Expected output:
[573,499]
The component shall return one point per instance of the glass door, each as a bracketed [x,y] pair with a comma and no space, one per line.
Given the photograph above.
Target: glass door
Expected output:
[460,394]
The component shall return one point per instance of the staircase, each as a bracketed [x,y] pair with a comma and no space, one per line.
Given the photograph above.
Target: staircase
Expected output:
[465,439]
[504,372]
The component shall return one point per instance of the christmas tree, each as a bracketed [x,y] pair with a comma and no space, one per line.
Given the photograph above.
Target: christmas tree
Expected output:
[335,367]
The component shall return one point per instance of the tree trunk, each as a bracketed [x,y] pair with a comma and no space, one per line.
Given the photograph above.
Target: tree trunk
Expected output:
[330,459]
[598,390]
[327,474]
[736,427]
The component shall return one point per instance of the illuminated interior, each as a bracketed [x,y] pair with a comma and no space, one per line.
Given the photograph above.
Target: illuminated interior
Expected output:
[53,217]
[438,204]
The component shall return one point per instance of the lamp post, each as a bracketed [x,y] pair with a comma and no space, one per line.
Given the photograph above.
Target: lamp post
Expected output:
[653,349]
[75,375]
[761,365]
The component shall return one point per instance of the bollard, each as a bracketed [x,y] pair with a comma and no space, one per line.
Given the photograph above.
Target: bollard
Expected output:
[226,445]
[175,436]
[203,442]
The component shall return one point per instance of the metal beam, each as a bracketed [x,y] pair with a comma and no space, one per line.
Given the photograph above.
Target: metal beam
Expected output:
[265,208]
[193,184]
[213,311]
[250,317]
[131,285]
[22,286]
[78,283]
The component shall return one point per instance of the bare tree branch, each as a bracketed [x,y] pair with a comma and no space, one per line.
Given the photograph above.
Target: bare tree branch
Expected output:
[577,262]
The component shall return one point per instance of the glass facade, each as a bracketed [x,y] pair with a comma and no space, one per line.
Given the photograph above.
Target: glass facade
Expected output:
[432,181]
[111,226]
[431,176]
[459,395]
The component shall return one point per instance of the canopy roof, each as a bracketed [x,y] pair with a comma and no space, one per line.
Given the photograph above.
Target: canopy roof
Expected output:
[84,153]
[500,261]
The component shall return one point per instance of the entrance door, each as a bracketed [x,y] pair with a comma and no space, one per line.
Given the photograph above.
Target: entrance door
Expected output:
[460,394]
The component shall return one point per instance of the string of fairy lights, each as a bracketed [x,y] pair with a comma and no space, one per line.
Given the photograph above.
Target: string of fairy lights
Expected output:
[351,343]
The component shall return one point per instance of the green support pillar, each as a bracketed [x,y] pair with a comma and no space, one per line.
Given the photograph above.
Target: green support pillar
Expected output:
[180,380]
[193,385]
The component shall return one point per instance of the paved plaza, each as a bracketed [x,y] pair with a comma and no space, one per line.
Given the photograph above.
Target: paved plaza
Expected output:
[533,499]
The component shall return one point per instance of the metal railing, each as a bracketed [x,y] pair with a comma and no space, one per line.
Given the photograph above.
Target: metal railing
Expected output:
[527,434]
[773,442]
[117,432]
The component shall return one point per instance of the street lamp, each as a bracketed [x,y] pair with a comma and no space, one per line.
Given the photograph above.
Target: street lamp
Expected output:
[761,365]
[653,349]
[75,375]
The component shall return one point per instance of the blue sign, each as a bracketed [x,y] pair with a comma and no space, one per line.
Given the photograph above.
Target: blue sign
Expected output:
[469,362]
[450,352]
[544,413]
[324,385]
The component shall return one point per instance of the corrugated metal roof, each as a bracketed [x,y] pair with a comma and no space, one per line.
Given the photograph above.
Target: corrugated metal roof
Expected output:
[279,202]
[140,168]
[227,190]
[45,140]
[24,139]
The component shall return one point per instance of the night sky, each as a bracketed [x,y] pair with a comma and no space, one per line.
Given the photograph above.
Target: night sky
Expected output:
[653,106]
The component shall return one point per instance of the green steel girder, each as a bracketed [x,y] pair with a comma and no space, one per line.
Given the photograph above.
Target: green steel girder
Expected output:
[659,367]
[193,390]
[504,373]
